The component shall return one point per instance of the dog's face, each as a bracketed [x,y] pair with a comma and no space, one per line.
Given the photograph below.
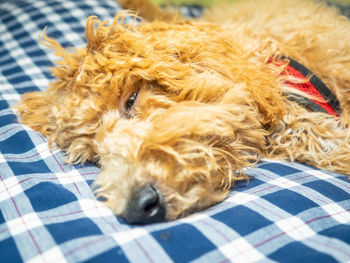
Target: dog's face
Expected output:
[172,114]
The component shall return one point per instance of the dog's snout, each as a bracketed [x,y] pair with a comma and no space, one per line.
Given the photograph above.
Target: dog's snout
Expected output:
[145,206]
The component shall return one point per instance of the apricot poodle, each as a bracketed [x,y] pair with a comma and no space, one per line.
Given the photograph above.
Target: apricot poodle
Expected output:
[174,113]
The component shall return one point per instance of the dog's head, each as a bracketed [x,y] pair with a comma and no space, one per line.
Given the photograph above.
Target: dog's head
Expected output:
[172,113]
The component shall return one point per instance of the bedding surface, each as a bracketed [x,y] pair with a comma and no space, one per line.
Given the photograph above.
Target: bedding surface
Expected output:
[287,212]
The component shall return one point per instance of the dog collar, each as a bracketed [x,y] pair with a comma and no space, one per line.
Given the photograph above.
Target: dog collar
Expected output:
[318,97]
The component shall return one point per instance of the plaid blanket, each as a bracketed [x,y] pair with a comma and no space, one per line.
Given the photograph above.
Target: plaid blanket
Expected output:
[288,213]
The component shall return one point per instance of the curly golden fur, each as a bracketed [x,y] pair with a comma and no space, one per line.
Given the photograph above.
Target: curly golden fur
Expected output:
[187,106]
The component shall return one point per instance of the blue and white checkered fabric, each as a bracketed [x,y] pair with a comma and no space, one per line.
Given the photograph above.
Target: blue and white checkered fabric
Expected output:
[288,213]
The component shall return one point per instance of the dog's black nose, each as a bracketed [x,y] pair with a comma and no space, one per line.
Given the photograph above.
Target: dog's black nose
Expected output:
[145,206]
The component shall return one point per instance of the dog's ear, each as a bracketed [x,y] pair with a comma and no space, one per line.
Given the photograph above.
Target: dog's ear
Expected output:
[66,113]
[35,111]
[70,127]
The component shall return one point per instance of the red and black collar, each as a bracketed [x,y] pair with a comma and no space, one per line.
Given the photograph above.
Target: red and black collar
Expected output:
[322,99]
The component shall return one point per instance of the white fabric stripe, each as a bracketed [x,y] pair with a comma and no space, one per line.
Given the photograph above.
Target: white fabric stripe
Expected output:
[337,213]
[24,224]
[9,187]
[295,228]
[93,208]
[52,255]
[240,250]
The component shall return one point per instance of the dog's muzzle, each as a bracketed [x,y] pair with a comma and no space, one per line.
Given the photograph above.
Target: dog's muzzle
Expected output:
[145,206]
